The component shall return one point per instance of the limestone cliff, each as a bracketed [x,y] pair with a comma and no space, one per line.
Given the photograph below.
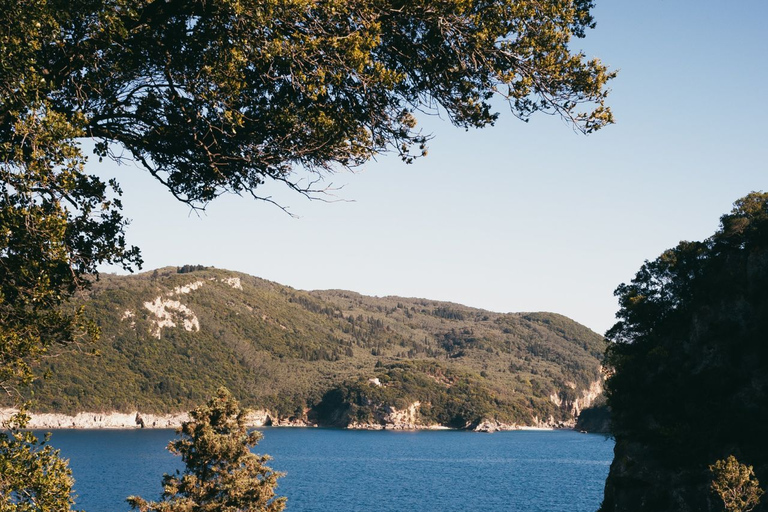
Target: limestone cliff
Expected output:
[136,419]
[572,404]
[390,418]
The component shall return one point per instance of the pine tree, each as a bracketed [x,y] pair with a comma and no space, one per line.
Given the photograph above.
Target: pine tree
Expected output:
[221,474]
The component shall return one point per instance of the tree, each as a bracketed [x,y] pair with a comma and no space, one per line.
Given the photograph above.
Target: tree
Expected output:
[33,477]
[57,225]
[688,362]
[735,484]
[216,96]
[221,472]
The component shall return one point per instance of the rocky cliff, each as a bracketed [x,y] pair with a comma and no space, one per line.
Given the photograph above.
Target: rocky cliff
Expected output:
[595,419]
[691,369]
[131,420]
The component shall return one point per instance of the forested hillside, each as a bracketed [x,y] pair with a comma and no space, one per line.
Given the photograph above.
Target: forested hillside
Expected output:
[170,337]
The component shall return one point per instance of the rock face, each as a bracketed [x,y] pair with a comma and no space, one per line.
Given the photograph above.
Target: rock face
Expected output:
[118,420]
[390,418]
[639,481]
[574,406]
[595,420]
[168,312]
[269,420]
[387,418]
[87,420]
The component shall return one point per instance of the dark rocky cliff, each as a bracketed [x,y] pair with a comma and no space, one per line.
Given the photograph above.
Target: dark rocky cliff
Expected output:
[691,362]
[595,419]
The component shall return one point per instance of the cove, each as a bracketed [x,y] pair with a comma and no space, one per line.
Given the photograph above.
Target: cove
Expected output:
[330,470]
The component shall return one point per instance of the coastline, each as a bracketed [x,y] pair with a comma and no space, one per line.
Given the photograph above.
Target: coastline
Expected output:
[260,418]
[115,420]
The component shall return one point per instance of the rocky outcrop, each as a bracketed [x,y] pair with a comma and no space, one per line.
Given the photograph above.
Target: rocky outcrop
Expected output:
[588,397]
[491,425]
[641,483]
[390,418]
[136,419]
[276,421]
[595,420]
[551,423]
[168,312]
[234,282]
[573,406]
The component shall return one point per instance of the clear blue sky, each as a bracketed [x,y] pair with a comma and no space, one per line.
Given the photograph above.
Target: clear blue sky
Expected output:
[519,217]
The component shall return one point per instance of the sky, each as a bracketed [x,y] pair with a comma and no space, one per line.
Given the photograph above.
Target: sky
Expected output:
[520,216]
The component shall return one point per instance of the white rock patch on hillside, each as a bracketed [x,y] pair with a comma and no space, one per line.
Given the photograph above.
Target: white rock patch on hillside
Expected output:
[170,313]
[167,312]
[129,315]
[582,401]
[179,290]
[234,282]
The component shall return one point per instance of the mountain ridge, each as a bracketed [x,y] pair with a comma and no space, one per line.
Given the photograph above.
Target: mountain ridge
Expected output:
[172,335]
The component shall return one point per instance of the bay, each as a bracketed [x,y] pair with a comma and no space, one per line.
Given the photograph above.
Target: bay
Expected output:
[351,471]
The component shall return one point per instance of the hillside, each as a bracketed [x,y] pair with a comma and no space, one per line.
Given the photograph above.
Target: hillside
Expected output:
[172,336]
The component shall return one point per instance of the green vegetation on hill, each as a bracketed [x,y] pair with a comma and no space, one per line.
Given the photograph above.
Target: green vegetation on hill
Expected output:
[446,397]
[285,350]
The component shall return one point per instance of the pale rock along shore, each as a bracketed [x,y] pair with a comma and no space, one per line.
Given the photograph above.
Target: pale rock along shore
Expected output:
[394,420]
[117,420]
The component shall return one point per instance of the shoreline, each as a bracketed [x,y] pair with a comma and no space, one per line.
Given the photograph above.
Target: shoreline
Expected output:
[137,420]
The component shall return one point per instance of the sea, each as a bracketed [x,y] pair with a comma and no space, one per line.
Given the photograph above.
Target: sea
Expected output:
[328,470]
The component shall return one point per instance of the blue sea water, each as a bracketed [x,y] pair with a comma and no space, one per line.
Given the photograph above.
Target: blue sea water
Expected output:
[355,471]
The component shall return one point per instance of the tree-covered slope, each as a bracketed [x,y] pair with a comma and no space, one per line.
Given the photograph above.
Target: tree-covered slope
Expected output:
[171,337]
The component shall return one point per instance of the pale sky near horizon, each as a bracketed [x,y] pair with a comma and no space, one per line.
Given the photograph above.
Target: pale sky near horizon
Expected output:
[518,217]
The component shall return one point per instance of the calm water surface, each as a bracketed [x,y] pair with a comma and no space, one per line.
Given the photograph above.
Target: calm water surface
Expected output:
[354,471]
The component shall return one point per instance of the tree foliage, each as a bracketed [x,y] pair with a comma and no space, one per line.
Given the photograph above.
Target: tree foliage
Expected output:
[735,484]
[698,296]
[221,475]
[33,477]
[56,225]
[214,96]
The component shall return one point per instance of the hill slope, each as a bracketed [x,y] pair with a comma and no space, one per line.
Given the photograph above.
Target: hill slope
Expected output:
[170,338]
